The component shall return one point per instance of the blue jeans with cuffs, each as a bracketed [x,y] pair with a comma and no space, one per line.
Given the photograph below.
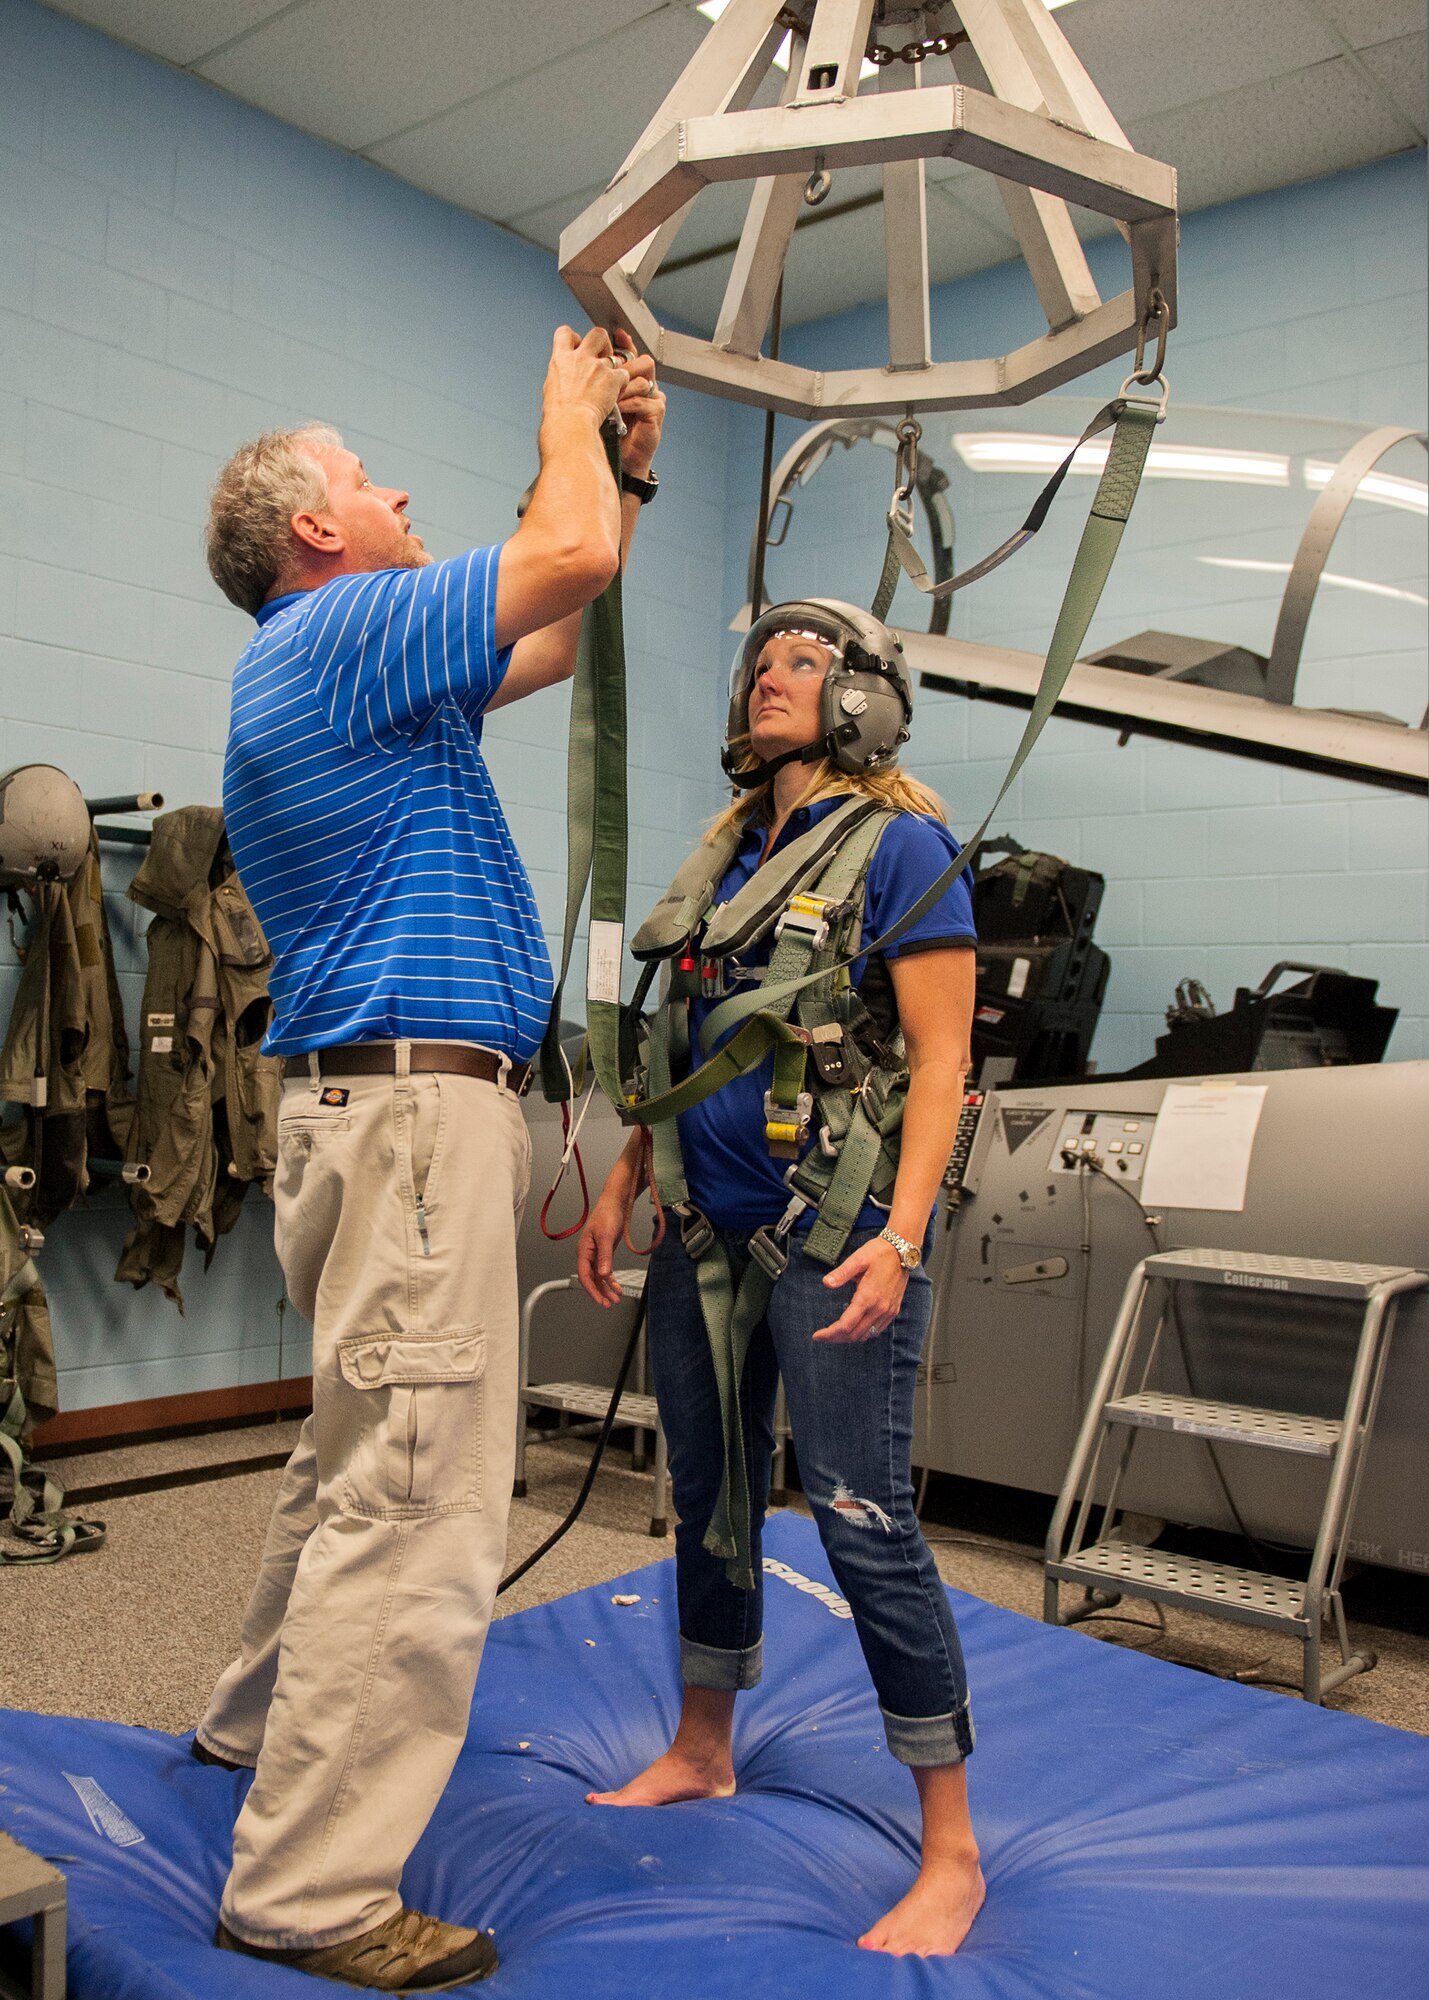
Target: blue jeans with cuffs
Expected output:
[851,1410]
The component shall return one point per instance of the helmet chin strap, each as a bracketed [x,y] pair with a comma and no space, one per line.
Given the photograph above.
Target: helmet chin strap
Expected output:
[823,746]
[749,781]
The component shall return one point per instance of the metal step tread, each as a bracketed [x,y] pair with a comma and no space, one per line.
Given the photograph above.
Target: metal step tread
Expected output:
[1203,1416]
[1253,1270]
[1191,1580]
[589,1399]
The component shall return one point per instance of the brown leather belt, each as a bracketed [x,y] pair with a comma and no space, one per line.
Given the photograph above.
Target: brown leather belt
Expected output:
[380,1059]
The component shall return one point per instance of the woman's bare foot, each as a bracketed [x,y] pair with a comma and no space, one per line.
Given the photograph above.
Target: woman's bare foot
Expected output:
[670,1780]
[936,1914]
[697,1764]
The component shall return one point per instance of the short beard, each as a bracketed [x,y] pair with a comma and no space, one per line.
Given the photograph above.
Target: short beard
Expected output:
[410,555]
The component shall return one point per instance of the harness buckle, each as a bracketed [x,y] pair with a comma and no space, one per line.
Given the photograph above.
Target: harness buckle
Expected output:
[696,1230]
[812,915]
[770,1247]
[786,1127]
[826,1046]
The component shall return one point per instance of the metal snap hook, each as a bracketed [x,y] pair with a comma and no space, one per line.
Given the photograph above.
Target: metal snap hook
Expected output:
[905,475]
[1158,314]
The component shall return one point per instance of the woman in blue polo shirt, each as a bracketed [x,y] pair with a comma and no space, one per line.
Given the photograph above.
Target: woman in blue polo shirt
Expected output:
[820,702]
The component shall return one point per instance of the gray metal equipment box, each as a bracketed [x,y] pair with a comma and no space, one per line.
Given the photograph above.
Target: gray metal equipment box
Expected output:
[1339,1169]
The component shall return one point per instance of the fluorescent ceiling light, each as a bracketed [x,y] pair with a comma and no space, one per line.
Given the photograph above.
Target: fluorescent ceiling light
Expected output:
[1411,494]
[1335,582]
[1022,451]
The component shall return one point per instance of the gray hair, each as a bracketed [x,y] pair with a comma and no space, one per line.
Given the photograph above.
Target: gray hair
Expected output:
[248,540]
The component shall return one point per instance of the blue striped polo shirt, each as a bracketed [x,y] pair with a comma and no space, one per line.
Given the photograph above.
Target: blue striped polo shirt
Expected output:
[364,823]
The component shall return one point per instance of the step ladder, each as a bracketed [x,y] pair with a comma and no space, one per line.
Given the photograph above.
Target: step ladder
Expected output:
[589,1400]
[1120,1407]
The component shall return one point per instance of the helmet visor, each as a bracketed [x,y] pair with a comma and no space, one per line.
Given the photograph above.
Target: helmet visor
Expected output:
[794,643]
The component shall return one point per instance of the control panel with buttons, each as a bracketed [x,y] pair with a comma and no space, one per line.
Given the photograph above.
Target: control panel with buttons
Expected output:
[1113,1141]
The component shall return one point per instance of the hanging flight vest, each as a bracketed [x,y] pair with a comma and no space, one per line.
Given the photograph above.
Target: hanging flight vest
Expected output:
[66,1055]
[206,1120]
[835,1083]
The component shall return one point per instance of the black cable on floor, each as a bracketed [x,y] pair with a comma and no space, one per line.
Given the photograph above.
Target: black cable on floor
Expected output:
[607,1426]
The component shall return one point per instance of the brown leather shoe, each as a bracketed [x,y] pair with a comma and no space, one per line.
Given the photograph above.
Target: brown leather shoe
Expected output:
[206,1756]
[410,1953]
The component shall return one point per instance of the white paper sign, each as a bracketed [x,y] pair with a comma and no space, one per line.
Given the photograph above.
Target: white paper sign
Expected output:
[1200,1150]
[604,952]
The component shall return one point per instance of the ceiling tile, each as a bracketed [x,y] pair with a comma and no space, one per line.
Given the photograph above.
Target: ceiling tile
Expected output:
[360,71]
[1150,55]
[1401,70]
[1273,134]
[543,225]
[178,34]
[1366,23]
[967,228]
[552,132]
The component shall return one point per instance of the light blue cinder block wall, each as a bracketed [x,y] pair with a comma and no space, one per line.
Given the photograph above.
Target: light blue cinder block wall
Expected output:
[177,273]
[1310,300]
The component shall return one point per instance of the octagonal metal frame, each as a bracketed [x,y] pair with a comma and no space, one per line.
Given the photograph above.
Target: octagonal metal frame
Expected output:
[1036,123]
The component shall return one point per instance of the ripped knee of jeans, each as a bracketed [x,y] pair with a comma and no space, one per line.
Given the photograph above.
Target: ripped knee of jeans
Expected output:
[855,1510]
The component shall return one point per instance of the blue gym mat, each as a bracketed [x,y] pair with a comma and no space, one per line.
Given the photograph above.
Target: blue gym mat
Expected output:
[1145,1830]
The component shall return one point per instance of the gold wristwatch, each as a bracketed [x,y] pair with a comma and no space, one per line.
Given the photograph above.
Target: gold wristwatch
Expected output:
[909,1255]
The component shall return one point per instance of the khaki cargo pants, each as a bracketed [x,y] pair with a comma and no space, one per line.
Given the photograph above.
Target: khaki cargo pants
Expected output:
[396,1216]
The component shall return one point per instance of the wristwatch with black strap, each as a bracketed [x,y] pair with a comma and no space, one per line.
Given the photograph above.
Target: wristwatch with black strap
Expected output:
[644,490]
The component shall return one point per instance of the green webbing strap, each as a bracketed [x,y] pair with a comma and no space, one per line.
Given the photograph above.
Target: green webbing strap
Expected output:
[901,556]
[1131,440]
[36,1499]
[669,1049]
[731,1313]
[595,839]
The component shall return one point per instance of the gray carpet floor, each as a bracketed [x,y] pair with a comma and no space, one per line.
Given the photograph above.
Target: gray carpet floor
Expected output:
[138,1631]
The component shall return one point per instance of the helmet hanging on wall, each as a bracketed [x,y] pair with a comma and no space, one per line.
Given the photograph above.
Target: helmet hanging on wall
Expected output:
[866,702]
[44,826]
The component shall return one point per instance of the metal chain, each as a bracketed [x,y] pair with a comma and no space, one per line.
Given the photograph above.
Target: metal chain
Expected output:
[881,55]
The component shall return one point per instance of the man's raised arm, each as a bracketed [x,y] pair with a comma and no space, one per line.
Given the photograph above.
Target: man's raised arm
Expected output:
[567,548]
[547,655]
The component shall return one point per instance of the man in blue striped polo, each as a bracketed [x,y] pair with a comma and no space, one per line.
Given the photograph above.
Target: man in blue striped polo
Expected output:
[411,986]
